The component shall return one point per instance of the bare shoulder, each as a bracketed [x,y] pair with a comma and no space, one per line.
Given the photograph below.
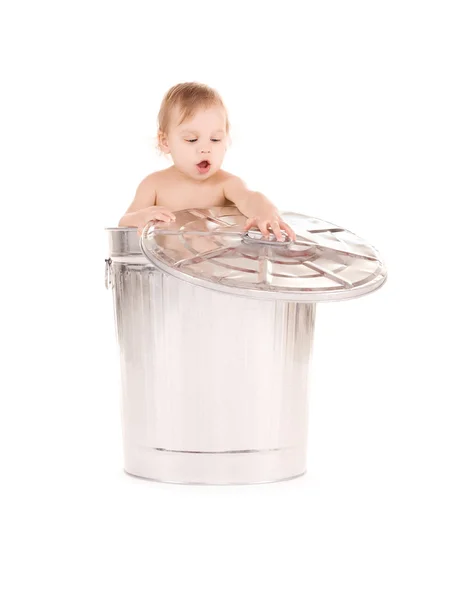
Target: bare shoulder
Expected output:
[153,179]
[232,185]
[146,192]
[227,177]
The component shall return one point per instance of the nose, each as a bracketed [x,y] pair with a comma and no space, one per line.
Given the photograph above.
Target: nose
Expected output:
[205,151]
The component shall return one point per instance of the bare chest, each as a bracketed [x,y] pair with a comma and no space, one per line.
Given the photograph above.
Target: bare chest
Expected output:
[179,196]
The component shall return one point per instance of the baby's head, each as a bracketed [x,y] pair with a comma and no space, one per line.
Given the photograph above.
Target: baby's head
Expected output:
[193,127]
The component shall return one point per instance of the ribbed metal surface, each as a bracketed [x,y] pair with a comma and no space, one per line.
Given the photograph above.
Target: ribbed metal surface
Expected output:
[205,373]
[209,248]
[215,332]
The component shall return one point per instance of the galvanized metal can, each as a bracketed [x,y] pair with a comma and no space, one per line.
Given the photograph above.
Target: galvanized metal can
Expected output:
[215,330]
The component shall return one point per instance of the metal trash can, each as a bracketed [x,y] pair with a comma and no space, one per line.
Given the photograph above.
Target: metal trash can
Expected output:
[215,331]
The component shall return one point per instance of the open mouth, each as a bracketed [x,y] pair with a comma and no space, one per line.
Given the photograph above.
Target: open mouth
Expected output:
[203,166]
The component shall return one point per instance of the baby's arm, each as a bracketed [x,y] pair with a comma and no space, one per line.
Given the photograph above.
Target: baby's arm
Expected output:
[142,209]
[250,203]
[145,196]
[256,207]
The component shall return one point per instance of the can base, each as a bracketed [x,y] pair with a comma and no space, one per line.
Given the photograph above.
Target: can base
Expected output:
[208,483]
[216,468]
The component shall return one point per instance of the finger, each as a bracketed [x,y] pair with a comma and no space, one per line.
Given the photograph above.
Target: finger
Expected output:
[151,222]
[142,227]
[289,230]
[292,234]
[162,217]
[277,230]
[263,227]
[249,223]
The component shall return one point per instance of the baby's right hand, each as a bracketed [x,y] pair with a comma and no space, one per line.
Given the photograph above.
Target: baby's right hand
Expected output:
[153,213]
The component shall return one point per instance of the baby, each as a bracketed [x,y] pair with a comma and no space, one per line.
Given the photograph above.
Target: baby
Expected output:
[193,128]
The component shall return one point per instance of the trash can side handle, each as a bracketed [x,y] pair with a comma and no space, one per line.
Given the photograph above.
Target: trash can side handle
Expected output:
[108,272]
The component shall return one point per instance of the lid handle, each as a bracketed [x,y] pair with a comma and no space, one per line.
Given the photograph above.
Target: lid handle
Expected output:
[254,236]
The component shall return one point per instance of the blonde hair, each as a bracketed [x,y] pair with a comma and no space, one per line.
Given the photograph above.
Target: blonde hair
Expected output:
[189,97]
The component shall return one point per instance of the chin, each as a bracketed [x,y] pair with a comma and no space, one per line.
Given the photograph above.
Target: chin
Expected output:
[204,176]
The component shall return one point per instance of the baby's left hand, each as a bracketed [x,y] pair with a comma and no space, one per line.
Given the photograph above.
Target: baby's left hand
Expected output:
[273,220]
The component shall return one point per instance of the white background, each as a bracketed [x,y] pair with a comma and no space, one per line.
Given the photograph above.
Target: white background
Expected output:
[343,110]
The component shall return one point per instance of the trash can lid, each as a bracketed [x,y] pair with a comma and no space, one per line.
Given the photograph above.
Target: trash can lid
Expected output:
[209,248]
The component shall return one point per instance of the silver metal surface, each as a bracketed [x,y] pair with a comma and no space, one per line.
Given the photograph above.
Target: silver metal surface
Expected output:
[123,241]
[215,385]
[209,248]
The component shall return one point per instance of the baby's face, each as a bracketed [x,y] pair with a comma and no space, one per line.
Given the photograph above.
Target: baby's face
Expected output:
[201,138]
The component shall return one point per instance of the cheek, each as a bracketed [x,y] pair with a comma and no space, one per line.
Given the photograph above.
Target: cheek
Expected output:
[221,149]
[182,149]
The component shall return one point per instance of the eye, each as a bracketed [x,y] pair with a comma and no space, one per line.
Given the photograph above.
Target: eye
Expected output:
[215,140]
[195,140]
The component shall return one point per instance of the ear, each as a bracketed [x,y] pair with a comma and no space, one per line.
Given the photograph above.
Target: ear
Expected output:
[163,143]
